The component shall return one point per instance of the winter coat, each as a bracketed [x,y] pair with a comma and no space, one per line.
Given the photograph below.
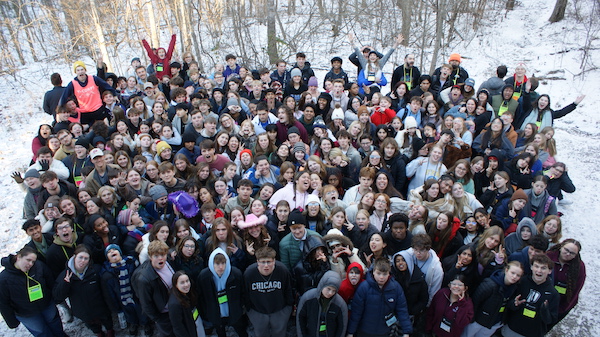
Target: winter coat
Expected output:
[311,314]
[513,241]
[434,275]
[85,294]
[460,313]
[347,290]
[96,245]
[491,298]
[542,119]
[520,318]
[469,272]
[59,253]
[208,294]
[306,273]
[413,284]
[289,249]
[151,290]
[372,304]
[40,255]
[557,185]
[109,280]
[560,281]
[14,297]
[192,267]
[181,318]
[539,207]
[421,171]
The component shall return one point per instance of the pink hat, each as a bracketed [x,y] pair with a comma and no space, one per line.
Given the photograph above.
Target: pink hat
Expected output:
[251,221]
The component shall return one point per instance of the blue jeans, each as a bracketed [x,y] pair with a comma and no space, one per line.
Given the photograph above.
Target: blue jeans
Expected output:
[45,324]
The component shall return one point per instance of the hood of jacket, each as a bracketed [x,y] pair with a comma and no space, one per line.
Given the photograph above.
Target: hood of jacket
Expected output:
[525,222]
[331,278]
[357,265]
[211,264]
[311,244]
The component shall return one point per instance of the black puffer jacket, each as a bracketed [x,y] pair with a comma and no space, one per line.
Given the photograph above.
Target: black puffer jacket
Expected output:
[85,294]
[308,273]
[14,298]
[413,283]
[490,297]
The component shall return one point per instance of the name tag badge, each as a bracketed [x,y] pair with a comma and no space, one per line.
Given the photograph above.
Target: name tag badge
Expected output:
[195,314]
[159,67]
[78,180]
[371,78]
[35,293]
[322,327]
[390,319]
[502,110]
[222,299]
[561,290]
[528,313]
[501,309]
[445,325]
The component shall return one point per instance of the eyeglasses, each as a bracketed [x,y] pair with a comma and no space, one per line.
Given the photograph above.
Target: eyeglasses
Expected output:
[471,223]
[569,252]
[374,156]
[60,228]
[313,204]
[189,246]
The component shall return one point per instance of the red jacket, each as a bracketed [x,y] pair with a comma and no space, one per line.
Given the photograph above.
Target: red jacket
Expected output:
[381,116]
[161,66]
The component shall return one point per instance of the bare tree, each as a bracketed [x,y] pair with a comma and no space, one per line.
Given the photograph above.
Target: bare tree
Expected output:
[559,11]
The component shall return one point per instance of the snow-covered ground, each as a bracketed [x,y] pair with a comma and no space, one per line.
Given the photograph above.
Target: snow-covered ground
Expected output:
[523,35]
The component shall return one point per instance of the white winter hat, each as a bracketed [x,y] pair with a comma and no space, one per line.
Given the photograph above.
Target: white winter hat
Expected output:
[337,114]
[410,122]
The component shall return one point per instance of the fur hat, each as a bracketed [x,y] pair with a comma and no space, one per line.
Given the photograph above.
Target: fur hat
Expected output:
[78,64]
[252,220]
[161,146]
[185,203]
[157,192]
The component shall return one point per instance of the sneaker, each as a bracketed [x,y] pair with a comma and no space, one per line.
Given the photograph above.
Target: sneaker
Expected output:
[565,202]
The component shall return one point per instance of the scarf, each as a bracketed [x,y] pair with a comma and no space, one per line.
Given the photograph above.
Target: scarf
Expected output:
[125,291]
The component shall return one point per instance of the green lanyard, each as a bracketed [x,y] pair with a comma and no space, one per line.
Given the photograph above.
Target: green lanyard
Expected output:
[35,292]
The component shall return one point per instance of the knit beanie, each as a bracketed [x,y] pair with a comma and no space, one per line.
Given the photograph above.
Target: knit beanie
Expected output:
[454,57]
[111,247]
[248,151]
[296,72]
[157,192]
[296,218]
[337,113]
[293,129]
[299,146]
[410,122]
[519,194]
[161,146]
[124,217]
[83,142]
[312,82]
[32,173]
[78,64]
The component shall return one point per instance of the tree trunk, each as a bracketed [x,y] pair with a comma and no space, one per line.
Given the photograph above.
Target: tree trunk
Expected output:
[510,5]
[559,11]
[440,13]
[406,7]
[100,36]
[271,33]
[152,23]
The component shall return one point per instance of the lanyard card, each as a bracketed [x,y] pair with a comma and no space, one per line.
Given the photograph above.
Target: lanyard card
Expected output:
[35,293]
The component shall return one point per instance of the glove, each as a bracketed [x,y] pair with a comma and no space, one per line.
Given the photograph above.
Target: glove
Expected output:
[17,177]
[45,165]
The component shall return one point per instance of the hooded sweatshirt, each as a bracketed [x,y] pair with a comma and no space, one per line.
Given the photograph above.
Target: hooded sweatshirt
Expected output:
[316,312]
[220,282]
[346,288]
[513,241]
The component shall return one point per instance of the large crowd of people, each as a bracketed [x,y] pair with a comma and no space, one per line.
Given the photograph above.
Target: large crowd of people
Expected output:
[186,204]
